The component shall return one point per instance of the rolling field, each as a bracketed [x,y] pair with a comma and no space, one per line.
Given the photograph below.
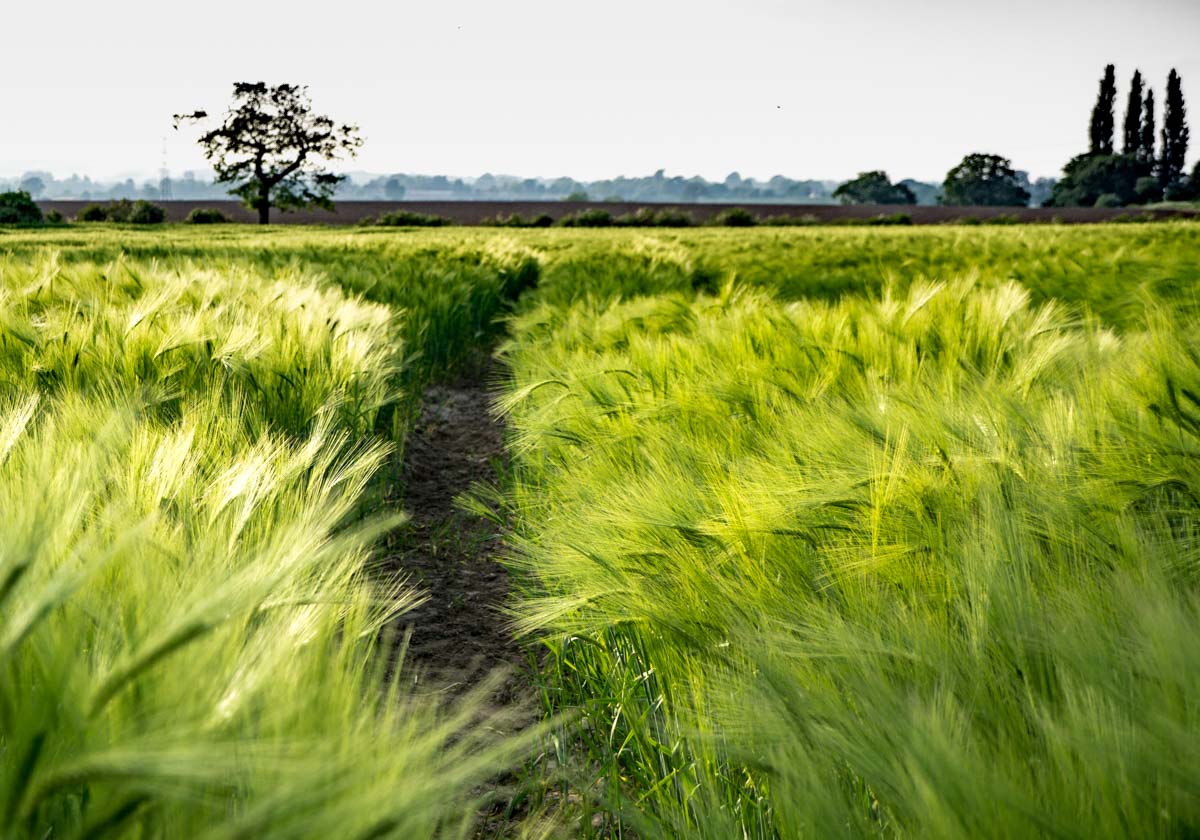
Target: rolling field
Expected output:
[810,532]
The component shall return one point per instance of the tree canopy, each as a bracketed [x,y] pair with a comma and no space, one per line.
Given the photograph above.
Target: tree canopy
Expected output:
[1133,117]
[273,149]
[1174,136]
[985,180]
[874,188]
[1100,131]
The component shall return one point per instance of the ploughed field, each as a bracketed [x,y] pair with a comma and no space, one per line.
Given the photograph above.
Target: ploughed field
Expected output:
[790,532]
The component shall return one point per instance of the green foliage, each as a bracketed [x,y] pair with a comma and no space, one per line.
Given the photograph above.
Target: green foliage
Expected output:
[576,196]
[1100,131]
[1087,177]
[1109,200]
[410,218]
[147,213]
[1147,190]
[822,531]
[190,644]
[516,220]
[125,211]
[1132,127]
[19,208]
[671,217]
[919,565]
[272,149]
[1148,140]
[874,188]
[881,220]
[1174,136]
[92,213]
[985,181]
[734,217]
[206,216]
[55,218]
[587,218]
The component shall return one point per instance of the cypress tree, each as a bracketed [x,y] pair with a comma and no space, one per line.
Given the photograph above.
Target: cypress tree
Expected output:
[1174,134]
[1146,145]
[1100,132]
[1133,116]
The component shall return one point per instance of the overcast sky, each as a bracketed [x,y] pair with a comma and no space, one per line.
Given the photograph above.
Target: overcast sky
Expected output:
[803,88]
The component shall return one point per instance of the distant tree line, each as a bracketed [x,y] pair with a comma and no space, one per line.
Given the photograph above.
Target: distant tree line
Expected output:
[270,167]
[658,187]
[1146,166]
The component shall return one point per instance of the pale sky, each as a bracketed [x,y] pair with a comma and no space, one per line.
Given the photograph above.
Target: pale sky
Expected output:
[806,88]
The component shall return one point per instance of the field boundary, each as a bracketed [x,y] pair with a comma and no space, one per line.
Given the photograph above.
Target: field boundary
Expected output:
[475,212]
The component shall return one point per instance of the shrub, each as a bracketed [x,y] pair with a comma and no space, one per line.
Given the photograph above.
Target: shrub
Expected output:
[206,216]
[147,213]
[18,208]
[734,217]
[891,219]
[1147,189]
[120,210]
[790,221]
[55,218]
[92,213]
[587,218]
[409,218]
[674,217]
[642,217]
[649,217]
[516,220]
[1109,200]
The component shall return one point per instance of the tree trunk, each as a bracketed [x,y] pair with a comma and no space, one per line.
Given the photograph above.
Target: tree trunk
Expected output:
[263,203]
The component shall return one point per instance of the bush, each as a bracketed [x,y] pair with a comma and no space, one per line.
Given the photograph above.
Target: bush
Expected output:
[123,210]
[92,213]
[734,217]
[206,216]
[119,210]
[55,218]
[891,219]
[516,220]
[18,208]
[147,213]
[409,218]
[790,221]
[1147,189]
[587,218]
[1109,200]
[649,217]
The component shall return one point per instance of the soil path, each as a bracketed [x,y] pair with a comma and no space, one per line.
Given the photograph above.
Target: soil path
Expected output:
[459,636]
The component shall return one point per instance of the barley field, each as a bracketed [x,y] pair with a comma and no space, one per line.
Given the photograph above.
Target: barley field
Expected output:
[809,532]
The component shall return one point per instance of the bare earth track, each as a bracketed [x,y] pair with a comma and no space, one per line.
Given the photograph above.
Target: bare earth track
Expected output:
[459,636]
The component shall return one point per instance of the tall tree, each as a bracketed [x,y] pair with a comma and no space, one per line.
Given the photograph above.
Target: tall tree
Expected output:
[1133,116]
[984,180]
[1147,143]
[874,188]
[272,148]
[1174,134]
[1100,132]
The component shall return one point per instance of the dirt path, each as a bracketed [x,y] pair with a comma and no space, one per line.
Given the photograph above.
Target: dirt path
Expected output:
[459,636]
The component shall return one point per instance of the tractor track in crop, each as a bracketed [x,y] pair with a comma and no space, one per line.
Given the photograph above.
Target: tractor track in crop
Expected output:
[459,635]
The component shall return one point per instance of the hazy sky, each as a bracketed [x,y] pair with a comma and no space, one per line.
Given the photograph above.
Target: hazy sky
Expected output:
[806,88]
